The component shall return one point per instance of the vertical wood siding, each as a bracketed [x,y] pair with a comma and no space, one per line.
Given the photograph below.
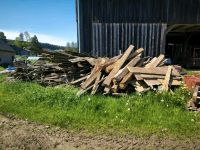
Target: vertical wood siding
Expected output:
[108,41]
[129,13]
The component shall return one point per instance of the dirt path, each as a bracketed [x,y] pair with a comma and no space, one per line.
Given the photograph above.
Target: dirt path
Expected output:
[18,134]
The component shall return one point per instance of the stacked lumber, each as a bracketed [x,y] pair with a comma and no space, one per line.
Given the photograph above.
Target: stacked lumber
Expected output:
[55,68]
[130,72]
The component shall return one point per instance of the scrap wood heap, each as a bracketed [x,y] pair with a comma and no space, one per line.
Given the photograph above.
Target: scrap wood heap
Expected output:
[129,72]
[56,68]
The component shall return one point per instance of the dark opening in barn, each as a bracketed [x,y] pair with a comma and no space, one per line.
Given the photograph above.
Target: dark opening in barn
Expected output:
[171,27]
[183,44]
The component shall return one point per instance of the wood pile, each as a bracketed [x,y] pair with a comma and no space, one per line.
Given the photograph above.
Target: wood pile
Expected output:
[129,72]
[56,68]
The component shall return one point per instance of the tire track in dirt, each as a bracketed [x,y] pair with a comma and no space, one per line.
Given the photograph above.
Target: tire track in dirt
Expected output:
[19,134]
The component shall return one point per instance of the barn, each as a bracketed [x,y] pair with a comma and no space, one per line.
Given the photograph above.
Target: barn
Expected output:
[170,27]
[7,54]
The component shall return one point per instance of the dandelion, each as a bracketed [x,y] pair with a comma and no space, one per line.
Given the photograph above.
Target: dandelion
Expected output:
[162,100]
[165,129]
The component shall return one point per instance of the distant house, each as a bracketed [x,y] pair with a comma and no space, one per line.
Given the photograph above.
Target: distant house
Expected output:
[21,51]
[7,54]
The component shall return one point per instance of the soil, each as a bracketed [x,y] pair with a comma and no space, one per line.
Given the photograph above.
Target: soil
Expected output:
[20,134]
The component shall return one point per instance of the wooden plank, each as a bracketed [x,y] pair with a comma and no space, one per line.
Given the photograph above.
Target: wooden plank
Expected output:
[82,91]
[123,84]
[96,84]
[118,65]
[141,87]
[165,86]
[138,77]
[103,63]
[111,66]
[79,80]
[154,71]
[149,76]
[158,61]
[118,77]
[149,65]
[134,54]
[172,82]
[152,82]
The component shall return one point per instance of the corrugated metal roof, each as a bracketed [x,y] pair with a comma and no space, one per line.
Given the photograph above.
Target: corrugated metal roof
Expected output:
[5,47]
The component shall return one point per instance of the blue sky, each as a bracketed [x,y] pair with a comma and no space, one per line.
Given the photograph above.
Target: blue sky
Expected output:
[53,21]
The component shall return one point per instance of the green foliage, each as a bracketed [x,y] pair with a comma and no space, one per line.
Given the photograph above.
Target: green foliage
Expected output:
[1,68]
[27,36]
[191,72]
[21,36]
[72,47]
[161,114]
[35,45]
[18,42]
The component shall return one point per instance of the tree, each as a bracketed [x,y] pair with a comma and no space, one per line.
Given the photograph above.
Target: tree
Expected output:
[18,42]
[68,45]
[71,47]
[21,37]
[27,36]
[35,45]
[3,37]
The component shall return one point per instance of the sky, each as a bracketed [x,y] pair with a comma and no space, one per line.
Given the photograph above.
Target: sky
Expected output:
[52,21]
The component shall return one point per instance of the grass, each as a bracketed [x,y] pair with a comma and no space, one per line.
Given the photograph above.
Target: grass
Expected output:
[162,114]
[1,68]
[191,72]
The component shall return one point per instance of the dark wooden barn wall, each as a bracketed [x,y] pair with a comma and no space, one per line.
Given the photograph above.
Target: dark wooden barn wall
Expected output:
[110,38]
[133,11]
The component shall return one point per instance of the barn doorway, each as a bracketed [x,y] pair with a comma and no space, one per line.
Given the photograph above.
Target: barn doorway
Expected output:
[183,45]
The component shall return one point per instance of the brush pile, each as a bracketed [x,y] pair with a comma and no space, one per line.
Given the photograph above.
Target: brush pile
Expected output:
[129,72]
[56,68]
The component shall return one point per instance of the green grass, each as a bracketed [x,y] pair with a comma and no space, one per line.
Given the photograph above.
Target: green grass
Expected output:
[191,72]
[162,114]
[1,68]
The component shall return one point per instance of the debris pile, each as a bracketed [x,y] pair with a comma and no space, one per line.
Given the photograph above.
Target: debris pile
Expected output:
[56,68]
[129,72]
[194,103]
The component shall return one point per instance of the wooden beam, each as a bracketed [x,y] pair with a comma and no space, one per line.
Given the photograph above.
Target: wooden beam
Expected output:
[79,80]
[96,84]
[125,80]
[152,71]
[118,77]
[165,86]
[117,66]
